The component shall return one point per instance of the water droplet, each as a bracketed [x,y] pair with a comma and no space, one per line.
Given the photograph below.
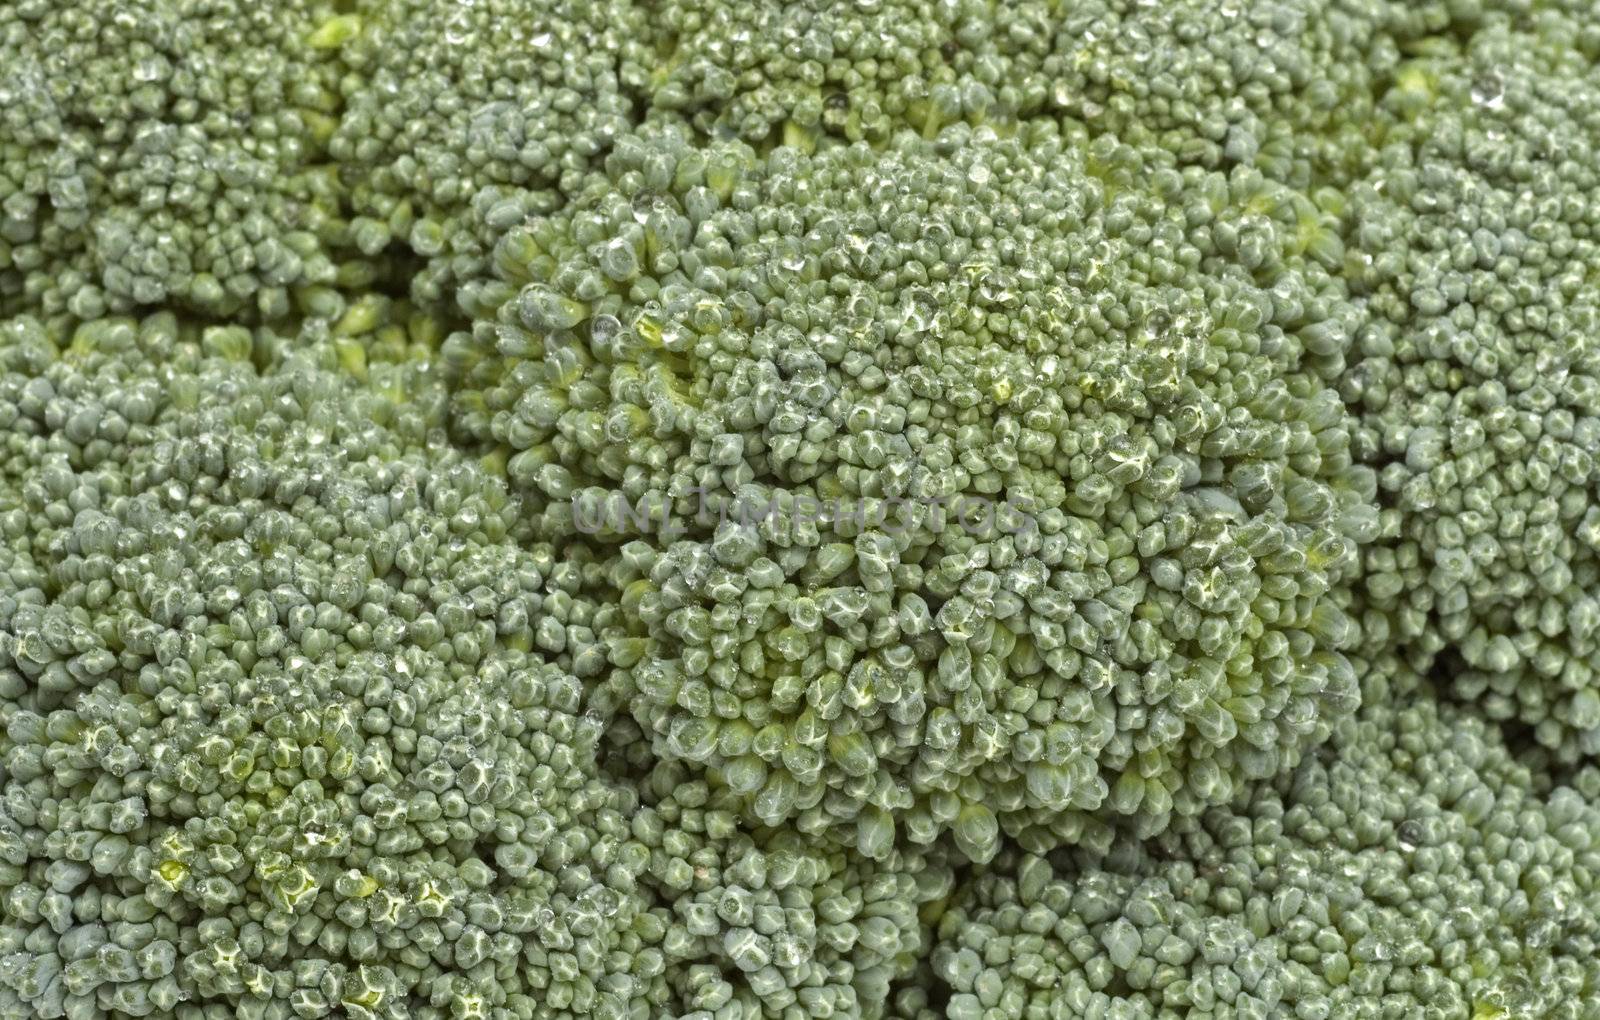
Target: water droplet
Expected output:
[920,310]
[1490,91]
[994,289]
[1408,835]
[603,329]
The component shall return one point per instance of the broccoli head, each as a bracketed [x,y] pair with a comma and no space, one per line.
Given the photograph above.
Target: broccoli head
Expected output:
[1476,376]
[171,154]
[1411,867]
[1086,495]
[293,717]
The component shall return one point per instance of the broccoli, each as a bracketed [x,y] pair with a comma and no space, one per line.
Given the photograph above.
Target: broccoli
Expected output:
[1476,375]
[1283,87]
[458,117]
[292,715]
[1409,867]
[890,509]
[806,75]
[766,921]
[169,154]
[1110,387]
[331,748]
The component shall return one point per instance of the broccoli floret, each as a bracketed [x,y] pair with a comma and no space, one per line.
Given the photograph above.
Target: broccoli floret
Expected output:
[766,921]
[454,113]
[1089,499]
[1283,87]
[810,74]
[717,510]
[294,712]
[170,153]
[1407,868]
[1476,375]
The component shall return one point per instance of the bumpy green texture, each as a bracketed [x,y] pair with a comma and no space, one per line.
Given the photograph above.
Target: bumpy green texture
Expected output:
[1098,499]
[1409,868]
[883,509]
[294,722]
[450,108]
[1476,376]
[815,73]
[1284,87]
[164,153]
[768,922]
[291,718]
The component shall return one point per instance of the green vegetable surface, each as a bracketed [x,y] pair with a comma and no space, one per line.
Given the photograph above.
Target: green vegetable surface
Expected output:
[890,509]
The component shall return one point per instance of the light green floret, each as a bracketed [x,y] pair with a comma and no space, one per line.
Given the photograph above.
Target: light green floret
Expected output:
[1134,623]
[449,108]
[1407,869]
[293,718]
[166,153]
[1474,254]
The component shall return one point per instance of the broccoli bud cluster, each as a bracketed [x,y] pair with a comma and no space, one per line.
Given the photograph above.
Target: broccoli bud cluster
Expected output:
[1090,497]
[299,720]
[887,509]
[164,153]
[292,717]
[1476,375]
[448,107]
[1407,868]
